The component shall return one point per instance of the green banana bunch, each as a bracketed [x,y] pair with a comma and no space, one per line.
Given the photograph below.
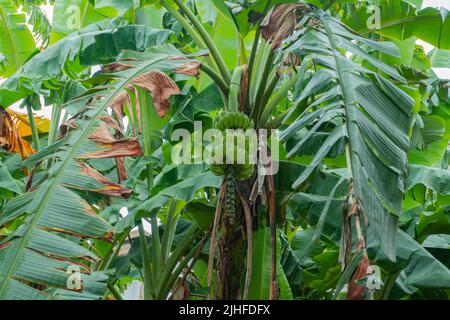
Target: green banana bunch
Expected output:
[233,120]
[240,171]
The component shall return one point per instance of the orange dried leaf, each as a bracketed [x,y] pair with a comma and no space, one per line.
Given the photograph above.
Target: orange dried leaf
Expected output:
[10,138]
[23,122]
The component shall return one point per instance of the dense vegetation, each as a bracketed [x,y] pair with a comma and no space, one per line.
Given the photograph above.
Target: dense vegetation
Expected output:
[358,209]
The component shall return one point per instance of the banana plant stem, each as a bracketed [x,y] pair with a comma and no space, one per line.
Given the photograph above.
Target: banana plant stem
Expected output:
[185,24]
[270,87]
[171,223]
[257,107]
[34,131]
[277,97]
[118,242]
[114,291]
[389,284]
[54,123]
[148,284]
[223,86]
[251,61]
[189,29]
[146,103]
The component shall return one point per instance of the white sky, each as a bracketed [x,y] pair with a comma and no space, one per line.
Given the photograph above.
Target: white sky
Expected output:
[436,3]
[443,73]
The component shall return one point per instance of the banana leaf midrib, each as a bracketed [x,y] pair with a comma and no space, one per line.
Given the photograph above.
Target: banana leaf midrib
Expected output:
[350,117]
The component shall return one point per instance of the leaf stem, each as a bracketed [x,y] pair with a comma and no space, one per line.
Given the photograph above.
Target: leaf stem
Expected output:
[119,240]
[276,98]
[235,88]
[169,230]
[114,291]
[389,284]
[223,86]
[148,295]
[54,123]
[34,131]
[255,45]
[207,40]
[257,107]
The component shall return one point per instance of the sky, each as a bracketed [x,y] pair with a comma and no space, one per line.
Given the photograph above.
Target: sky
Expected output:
[443,73]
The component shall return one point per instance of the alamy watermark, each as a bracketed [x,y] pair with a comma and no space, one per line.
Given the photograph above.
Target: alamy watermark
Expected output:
[373,278]
[73,12]
[73,21]
[74,279]
[374,19]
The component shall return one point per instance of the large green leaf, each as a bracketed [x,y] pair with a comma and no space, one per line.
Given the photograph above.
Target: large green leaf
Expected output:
[440,58]
[399,20]
[417,265]
[376,115]
[433,178]
[53,206]
[260,281]
[16,40]
[95,44]
[184,190]
[8,182]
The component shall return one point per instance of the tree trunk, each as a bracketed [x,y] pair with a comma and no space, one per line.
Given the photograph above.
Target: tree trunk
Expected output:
[233,249]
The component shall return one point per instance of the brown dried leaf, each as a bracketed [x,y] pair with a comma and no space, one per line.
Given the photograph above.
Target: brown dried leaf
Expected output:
[161,88]
[110,122]
[280,22]
[116,66]
[292,59]
[113,148]
[355,290]
[102,134]
[119,148]
[190,68]
[109,145]
[110,188]
[117,105]
[121,169]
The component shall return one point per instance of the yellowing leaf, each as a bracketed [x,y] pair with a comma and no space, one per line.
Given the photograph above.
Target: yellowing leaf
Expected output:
[23,122]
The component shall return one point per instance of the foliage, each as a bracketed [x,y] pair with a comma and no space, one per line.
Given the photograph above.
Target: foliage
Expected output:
[363,162]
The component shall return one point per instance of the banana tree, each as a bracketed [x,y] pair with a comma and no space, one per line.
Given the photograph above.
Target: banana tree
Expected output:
[363,131]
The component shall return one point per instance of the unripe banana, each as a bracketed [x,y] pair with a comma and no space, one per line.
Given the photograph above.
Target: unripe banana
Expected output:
[241,120]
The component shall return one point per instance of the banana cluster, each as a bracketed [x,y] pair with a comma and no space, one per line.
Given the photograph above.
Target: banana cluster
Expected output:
[241,171]
[233,120]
